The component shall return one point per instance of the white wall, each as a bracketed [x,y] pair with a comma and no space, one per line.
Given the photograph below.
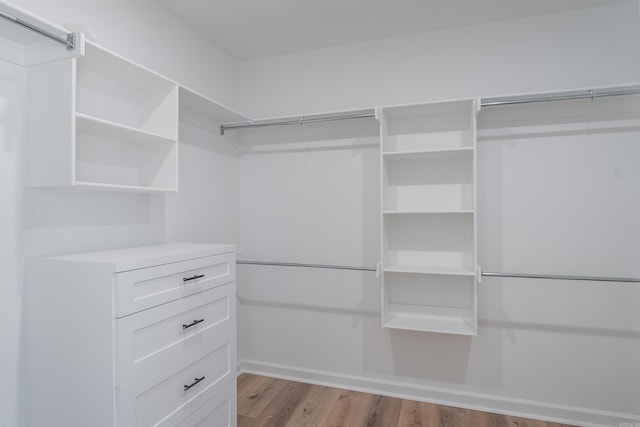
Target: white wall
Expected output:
[47,221]
[12,93]
[547,349]
[591,47]
[205,209]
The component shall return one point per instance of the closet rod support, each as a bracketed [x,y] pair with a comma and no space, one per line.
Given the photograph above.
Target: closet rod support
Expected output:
[69,40]
[295,264]
[300,121]
[562,277]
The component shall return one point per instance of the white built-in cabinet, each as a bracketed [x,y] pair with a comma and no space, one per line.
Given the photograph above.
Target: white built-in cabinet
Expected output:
[143,336]
[429,259]
[101,121]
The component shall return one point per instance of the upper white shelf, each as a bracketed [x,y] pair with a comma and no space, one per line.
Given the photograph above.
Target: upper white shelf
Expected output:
[104,122]
[192,102]
[100,60]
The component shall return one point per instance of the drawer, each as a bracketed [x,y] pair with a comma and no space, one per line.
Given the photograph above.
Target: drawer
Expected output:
[221,411]
[170,401]
[163,339]
[138,290]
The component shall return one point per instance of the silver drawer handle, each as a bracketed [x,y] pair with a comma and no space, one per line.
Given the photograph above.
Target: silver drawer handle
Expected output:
[195,322]
[197,380]
[194,277]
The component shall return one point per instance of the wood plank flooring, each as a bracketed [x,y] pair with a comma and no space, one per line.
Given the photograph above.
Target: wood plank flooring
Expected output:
[265,401]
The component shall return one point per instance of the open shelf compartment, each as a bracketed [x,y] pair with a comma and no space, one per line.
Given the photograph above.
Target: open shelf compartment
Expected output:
[111,88]
[123,158]
[427,302]
[437,182]
[436,126]
[430,241]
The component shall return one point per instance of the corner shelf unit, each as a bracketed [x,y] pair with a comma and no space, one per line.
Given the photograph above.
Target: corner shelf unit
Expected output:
[102,122]
[428,217]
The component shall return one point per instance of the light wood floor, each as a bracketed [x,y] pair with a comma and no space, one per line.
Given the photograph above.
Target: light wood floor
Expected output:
[264,401]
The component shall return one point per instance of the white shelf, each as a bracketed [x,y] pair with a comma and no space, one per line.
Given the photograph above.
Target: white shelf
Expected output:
[428,212]
[122,188]
[194,103]
[119,69]
[428,217]
[112,130]
[130,161]
[431,319]
[429,269]
[429,154]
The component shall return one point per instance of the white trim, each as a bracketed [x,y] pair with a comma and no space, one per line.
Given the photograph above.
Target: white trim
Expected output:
[450,397]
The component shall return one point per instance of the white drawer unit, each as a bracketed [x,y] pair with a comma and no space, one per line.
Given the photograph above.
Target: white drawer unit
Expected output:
[133,337]
[137,290]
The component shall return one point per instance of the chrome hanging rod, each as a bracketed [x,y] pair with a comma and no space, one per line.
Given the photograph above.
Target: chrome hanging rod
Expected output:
[585,95]
[300,121]
[483,273]
[562,277]
[295,264]
[69,41]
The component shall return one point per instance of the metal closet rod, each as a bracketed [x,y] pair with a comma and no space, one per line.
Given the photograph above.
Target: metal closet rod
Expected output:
[584,95]
[562,277]
[297,264]
[69,41]
[300,121]
[483,273]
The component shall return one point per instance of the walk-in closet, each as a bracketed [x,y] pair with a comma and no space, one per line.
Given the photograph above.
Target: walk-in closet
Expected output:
[240,214]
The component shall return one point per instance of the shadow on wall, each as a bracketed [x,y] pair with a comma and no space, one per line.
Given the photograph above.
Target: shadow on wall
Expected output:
[430,356]
[59,221]
[54,208]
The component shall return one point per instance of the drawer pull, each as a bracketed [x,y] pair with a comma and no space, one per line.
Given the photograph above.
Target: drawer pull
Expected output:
[195,322]
[194,277]
[197,380]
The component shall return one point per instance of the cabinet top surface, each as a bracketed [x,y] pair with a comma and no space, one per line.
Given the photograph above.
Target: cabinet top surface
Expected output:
[147,256]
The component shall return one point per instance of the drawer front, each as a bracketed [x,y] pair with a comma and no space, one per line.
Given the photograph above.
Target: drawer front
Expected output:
[170,401]
[138,290]
[163,339]
[221,411]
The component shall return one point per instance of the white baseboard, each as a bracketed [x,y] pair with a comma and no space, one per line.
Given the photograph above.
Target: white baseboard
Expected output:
[469,400]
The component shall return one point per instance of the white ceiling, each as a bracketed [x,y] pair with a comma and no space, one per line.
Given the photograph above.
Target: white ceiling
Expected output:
[249,29]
